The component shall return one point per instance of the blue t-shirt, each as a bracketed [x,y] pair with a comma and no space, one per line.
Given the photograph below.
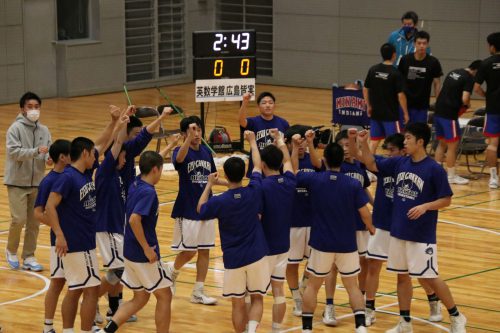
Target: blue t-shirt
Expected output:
[416,183]
[133,149]
[44,190]
[382,204]
[301,208]
[77,208]
[261,128]
[278,194]
[110,190]
[356,171]
[242,238]
[142,200]
[193,177]
[336,200]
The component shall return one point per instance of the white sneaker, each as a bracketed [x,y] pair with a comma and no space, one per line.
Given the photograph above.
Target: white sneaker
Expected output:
[329,316]
[493,183]
[361,329]
[297,308]
[172,275]
[458,180]
[12,259]
[199,297]
[370,317]
[306,331]
[402,327]
[435,311]
[458,324]
[98,317]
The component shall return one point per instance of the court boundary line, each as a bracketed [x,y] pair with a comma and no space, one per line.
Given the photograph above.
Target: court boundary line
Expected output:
[36,294]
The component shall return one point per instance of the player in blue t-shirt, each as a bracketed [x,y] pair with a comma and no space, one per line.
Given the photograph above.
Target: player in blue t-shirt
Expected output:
[243,242]
[70,212]
[301,218]
[144,271]
[378,245]
[192,234]
[352,168]
[421,189]
[262,123]
[59,154]
[337,200]
[278,194]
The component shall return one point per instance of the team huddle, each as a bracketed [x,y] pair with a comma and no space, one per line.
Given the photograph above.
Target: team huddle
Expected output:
[300,204]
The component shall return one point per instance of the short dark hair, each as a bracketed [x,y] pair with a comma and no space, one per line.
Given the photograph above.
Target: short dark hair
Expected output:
[273,157]
[265,94]
[185,122]
[333,154]
[494,39]
[422,35]
[475,64]
[387,50]
[78,145]
[234,168]
[59,147]
[341,135]
[296,129]
[419,131]
[410,15]
[133,123]
[27,96]
[396,139]
[148,160]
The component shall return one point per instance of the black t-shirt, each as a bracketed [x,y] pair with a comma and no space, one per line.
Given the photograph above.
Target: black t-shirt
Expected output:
[490,72]
[418,76]
[449,100]
[384,83]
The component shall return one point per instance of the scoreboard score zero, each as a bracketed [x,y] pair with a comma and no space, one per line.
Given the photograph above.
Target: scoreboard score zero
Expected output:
[224,64]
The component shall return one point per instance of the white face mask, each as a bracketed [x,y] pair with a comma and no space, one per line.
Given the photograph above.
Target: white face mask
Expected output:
[33,115]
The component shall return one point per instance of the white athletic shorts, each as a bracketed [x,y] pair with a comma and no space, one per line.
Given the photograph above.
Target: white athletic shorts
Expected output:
[320,263]
[417,259]
[253,278]
[378,245]
[81,269]
[190,235]
[299,245]
[277,266]
[111,249]
[56,266]
[145,276]
[362,237]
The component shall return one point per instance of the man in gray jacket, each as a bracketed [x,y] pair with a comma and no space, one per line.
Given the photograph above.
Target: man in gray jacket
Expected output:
[28,144]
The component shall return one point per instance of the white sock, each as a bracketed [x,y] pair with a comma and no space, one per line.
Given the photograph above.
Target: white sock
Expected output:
[252,326]
[48,325]
[86,331]
[198,286]
[68,330]
[296,294]
[493,173]
[451,172]
[276,326]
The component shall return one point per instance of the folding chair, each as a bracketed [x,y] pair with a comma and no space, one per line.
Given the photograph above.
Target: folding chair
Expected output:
[473,142]
[154,112]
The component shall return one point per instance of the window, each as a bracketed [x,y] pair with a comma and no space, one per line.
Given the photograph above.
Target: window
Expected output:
[73,20]
[250,14]
[155,39]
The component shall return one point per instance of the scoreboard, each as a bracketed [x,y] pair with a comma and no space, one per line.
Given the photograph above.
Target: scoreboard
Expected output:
[224,65]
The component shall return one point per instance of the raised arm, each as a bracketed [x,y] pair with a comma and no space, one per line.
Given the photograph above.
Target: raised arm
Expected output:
[366,156]
[135,222]
[296,142]
[313,153]
[278,141]
[257,164]
[213,178]
[175,141]
[104,139]
[52,219]
[182,153]
[120,136]
[242,114]
[155,125]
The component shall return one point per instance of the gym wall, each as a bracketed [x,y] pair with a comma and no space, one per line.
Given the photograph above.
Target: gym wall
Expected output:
[315,42]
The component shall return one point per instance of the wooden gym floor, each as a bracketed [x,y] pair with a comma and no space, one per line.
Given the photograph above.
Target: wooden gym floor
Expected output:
[468,232]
